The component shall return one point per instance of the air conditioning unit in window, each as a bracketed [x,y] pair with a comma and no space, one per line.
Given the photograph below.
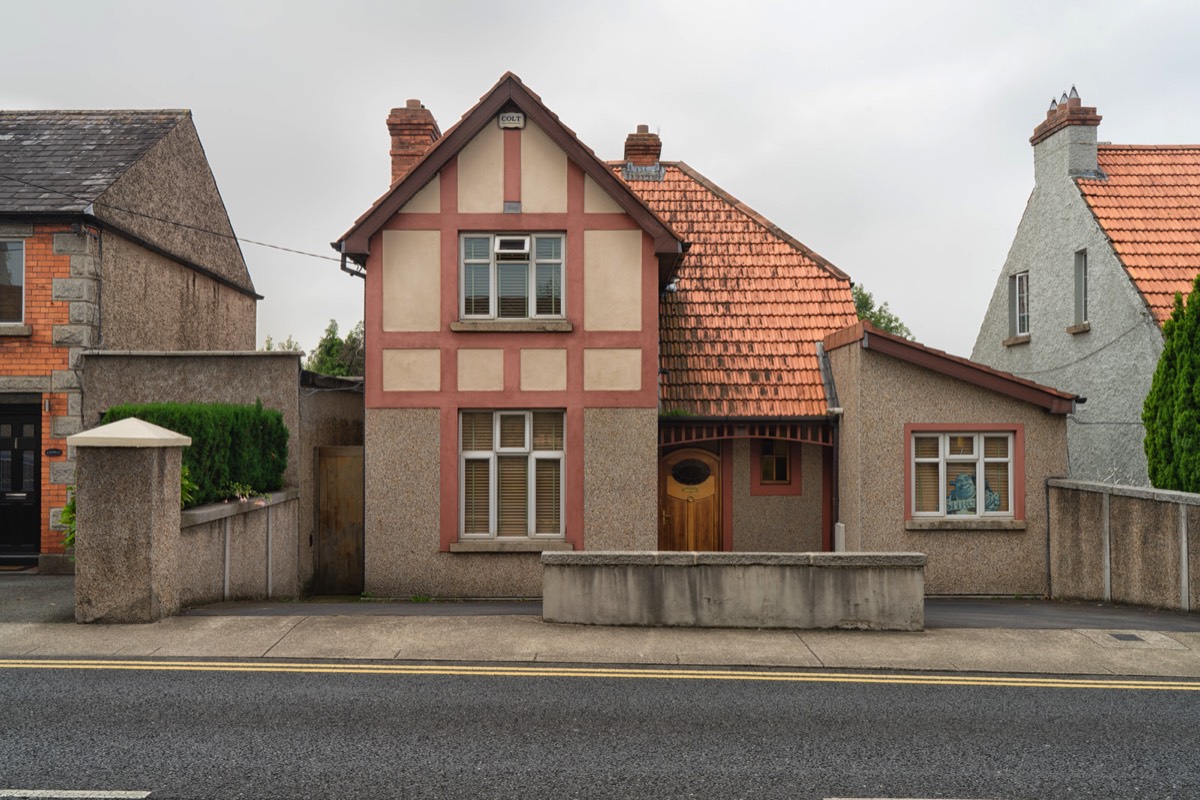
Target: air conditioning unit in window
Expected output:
[512,248]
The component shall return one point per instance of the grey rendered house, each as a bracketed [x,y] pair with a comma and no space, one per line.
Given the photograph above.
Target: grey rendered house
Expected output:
[113,236]
[1109,235]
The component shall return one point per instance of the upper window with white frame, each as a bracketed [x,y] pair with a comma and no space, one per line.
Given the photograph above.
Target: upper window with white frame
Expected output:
[962,475]
[511,472]
[1018,304]
[512,276]
[12,282]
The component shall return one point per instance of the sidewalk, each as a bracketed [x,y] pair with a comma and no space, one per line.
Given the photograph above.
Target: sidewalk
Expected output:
[1146,643]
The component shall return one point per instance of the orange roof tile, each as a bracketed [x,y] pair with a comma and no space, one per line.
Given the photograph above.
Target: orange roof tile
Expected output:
[738,338]
[1149,206]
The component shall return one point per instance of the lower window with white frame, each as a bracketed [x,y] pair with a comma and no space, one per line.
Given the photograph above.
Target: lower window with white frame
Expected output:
[511,474]
[962,474]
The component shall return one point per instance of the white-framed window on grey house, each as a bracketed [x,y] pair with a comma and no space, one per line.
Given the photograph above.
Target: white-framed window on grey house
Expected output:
[1018,304]
[962,475]
[511,474]
[1081,287]
[512,276]
[12,282]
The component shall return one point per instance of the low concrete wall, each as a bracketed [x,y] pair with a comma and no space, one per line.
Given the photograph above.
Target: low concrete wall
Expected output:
[876,591]
[1124,544]
[238,551]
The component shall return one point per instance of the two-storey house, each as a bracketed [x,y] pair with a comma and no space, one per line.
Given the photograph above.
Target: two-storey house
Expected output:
[113,235]
[1109,235]
[569,353]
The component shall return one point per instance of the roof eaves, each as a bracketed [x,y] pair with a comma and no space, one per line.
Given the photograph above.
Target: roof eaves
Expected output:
[1052,400]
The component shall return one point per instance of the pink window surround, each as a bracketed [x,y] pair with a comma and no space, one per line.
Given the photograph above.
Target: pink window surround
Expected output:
[1017,429]
[792,488]
[450,400]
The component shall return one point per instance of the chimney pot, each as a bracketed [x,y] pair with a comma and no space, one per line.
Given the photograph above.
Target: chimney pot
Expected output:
[413,130]
[643,148]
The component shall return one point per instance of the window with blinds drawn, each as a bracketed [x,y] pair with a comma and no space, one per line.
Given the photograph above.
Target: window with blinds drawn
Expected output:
[962,474]
[511,463]
[512,276]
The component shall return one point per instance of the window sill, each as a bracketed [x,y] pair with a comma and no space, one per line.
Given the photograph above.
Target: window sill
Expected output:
[1082,327]
[15,329]
[509,546]
[511,326]
[949,524]
[1013,341]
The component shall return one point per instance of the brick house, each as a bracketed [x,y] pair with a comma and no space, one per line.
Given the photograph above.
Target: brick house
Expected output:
[565,353]
[113,236]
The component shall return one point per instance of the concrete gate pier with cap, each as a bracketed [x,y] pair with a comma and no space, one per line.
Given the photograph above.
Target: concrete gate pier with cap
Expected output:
[127,522]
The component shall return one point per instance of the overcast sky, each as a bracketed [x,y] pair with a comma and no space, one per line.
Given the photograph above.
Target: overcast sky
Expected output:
[892,138]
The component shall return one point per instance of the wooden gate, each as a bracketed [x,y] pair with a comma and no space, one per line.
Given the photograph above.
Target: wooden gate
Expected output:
[339,567]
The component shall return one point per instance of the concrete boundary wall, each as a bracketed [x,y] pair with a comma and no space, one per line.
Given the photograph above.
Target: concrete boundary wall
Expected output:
[1124,544]
[874,591]
[239,551]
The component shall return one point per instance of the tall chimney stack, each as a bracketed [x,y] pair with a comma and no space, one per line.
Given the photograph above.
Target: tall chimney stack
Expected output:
[413,130]
[643,149]
[1065,142]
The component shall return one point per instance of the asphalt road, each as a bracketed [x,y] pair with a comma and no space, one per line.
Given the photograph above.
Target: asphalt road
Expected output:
[221,734]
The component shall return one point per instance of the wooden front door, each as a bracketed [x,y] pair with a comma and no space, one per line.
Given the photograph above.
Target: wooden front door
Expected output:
[339,568]
[20,485]
[689,501]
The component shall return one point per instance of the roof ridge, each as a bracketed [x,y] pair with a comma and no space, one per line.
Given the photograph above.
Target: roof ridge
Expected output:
[80,111]
[1111,146]
[759,219]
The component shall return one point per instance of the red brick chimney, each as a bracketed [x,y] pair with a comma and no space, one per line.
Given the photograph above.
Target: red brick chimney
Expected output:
[642,149]
[1064,113]
[413,130]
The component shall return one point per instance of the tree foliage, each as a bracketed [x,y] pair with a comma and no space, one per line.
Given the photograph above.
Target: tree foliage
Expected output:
[337,356]
[289,343]
[878,315]
[1171,412]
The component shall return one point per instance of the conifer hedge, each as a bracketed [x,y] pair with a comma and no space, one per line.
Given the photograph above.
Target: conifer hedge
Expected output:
[1171,412]
[232,445]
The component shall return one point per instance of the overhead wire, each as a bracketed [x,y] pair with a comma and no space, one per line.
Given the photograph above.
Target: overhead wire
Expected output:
[175,223]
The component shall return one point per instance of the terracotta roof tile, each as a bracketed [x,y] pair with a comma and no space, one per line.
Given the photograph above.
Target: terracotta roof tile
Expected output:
[1149,206]
[738,338]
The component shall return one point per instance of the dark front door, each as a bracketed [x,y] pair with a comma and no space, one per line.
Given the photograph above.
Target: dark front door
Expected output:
[20,495]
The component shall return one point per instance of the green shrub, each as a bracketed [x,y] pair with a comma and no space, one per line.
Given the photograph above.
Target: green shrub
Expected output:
[244,445]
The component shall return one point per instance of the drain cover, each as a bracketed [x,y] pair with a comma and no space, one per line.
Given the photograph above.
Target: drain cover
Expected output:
[1127,637]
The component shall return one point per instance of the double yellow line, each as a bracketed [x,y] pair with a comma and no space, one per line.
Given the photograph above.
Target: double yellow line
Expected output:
[636,673]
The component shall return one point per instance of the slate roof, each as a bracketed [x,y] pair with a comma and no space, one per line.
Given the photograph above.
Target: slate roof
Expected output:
[1149,206]
[63,160]
[738,338]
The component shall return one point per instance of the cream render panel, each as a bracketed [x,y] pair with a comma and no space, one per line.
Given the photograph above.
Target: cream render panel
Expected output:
[412,281]
[543,173]
[596,200]
[481,370]
[618,370]
[612,280]
[481,173]
[412,370]
[426,201]
[544,370]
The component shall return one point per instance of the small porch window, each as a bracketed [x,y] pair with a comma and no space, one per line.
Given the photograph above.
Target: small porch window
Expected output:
[774,467]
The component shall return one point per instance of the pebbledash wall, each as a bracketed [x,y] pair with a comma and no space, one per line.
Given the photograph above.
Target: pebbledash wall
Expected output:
[1124,544]
[1093,360]
[882,399]
[599,365]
